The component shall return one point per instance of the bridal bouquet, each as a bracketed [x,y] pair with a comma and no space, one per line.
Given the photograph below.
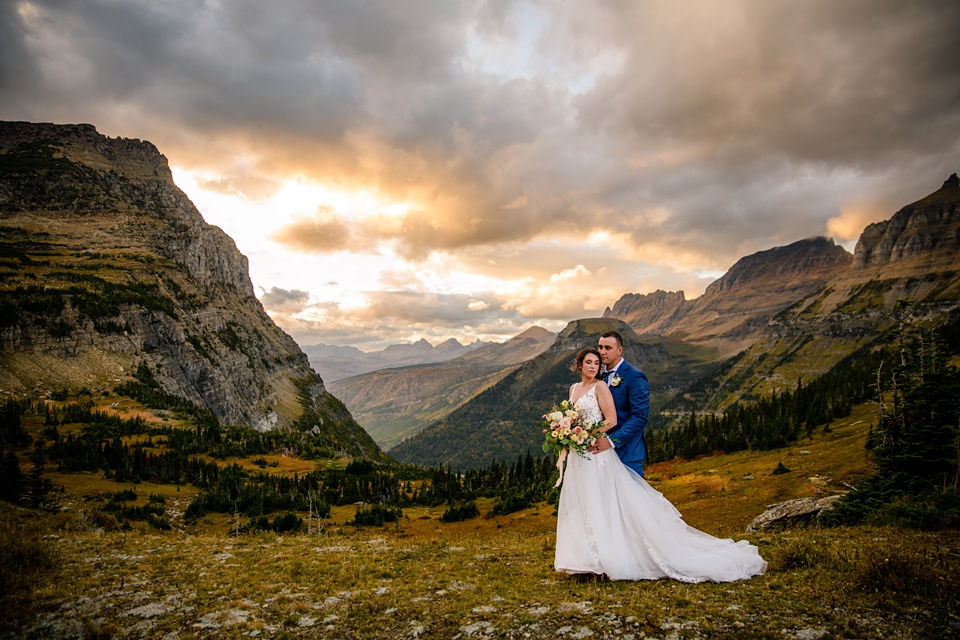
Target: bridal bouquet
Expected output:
[564,428]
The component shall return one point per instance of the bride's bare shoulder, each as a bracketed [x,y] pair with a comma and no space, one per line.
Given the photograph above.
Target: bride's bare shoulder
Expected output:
[603,391]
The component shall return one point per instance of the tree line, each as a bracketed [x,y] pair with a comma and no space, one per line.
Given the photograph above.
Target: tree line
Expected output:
[917,440]
[774,421]
[133,451]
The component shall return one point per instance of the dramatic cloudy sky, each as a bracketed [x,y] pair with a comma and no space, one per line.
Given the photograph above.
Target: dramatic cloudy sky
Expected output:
[397,169]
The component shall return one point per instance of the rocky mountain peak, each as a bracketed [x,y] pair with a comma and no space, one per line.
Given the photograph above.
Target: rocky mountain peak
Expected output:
[648,313]
[925,234]
[121,187]
[736,307]
[452,346]
[83,144]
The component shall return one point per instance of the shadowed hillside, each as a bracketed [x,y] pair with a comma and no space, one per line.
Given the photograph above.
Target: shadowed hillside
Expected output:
[396,403]
[501,421]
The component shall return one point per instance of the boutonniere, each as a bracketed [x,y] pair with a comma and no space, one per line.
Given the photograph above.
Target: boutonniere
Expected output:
[615,380]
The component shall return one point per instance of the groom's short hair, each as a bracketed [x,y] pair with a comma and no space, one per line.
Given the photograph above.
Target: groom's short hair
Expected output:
[615,335]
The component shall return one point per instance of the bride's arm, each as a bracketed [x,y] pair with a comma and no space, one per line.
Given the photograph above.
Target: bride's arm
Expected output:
[605,400]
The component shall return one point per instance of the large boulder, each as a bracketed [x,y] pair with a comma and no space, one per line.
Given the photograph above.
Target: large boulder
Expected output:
[792,513]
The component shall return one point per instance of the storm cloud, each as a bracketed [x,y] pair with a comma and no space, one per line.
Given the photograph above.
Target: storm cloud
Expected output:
[650,144]
[277,299]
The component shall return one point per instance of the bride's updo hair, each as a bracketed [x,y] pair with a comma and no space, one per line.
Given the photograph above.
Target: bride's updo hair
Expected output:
[577,365]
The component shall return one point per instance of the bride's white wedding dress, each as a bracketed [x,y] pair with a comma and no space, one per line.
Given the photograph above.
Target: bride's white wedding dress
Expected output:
[611,521]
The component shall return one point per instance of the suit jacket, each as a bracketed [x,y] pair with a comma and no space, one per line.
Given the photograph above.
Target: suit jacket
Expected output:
[632,400]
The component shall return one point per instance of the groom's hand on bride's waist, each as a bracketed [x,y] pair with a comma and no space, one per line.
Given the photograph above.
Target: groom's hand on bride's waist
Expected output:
[600,445]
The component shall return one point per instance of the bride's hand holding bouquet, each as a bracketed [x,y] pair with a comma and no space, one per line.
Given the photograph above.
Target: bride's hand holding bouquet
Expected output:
[566,428]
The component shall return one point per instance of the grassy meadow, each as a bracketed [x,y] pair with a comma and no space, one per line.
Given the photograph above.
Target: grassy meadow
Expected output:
[63,576]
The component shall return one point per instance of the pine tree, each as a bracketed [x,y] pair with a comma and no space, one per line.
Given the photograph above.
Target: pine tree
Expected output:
[916,443]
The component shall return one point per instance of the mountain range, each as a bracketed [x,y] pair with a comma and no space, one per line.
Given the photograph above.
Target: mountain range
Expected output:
[334,362]
[775,317]
[395,403]
[109,274]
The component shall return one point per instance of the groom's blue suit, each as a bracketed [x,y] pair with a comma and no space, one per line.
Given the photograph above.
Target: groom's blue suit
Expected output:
[632,400]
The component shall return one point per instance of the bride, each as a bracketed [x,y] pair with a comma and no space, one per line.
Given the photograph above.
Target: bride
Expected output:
[611,522]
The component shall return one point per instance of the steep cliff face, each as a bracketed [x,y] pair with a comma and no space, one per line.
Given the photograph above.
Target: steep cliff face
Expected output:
[913,258]
[105,265]
[925,233]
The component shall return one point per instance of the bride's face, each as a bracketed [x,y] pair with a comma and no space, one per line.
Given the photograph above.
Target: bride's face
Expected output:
[590,366]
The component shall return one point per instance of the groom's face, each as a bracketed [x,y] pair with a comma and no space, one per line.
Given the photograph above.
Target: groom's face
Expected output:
[609,351]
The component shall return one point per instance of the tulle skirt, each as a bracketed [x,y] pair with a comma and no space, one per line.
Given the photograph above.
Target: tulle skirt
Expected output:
[612,522]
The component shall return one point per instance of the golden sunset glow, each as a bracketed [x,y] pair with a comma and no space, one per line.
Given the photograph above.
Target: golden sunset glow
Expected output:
[467,170]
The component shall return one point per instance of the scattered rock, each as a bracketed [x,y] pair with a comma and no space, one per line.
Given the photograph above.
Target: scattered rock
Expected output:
[456,585]
[484,609]
[208,621]
[150,610]
[582,607]
[236,616]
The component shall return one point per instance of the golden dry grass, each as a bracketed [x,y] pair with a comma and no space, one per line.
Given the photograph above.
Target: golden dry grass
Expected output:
[494,577]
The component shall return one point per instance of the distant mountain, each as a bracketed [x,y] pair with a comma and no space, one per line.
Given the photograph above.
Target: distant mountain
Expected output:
[338,362]
[735,309]
[501,421]
[107,269]
[396,403]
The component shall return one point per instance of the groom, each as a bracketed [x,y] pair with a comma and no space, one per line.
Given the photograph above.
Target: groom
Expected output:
[631,396]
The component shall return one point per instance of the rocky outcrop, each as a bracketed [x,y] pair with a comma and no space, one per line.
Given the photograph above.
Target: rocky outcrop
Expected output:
[652,313]
[791,514]
[107,267]
[927,231]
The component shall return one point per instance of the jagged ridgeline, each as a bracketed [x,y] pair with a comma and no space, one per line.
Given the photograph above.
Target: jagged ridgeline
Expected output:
[110,278]
[785,341]
[501,421]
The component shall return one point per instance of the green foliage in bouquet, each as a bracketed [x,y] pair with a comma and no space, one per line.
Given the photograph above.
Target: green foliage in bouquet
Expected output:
[566,428]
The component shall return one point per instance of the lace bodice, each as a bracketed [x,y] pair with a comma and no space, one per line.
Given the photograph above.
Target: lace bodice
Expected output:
[588,405]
